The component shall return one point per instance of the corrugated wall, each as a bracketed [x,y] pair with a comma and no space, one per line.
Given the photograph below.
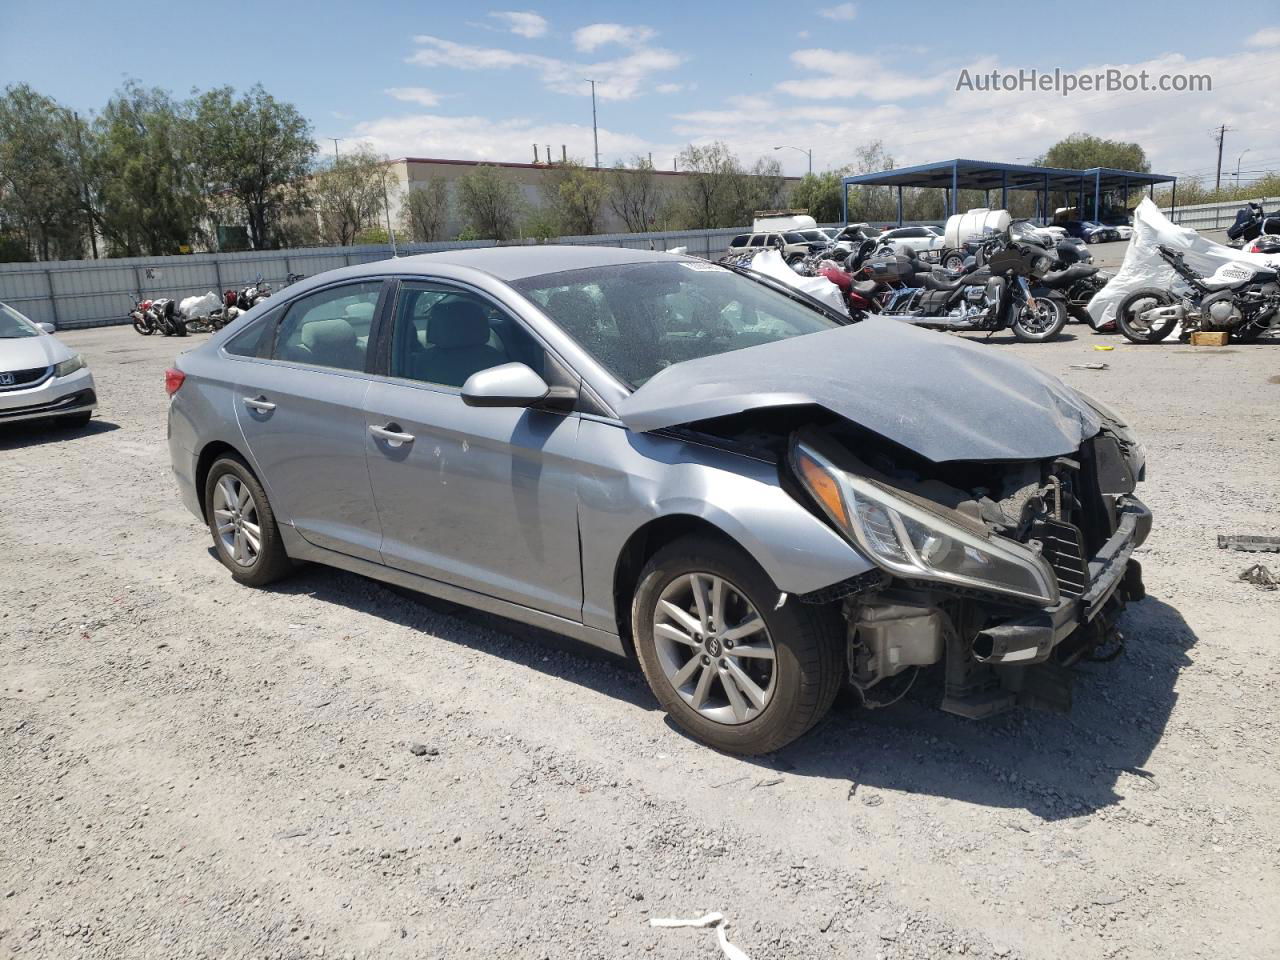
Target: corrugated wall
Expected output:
[88,293]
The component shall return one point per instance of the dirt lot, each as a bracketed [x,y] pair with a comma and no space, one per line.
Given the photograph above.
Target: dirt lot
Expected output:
[195,769]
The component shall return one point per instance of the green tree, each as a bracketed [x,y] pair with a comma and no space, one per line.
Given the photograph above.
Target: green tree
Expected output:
[39,175]
[349,194]
[1081,151]
[709,184]
[151,194]
[633,194]
[573,195]
[426,210]
[819,193]
[258,149]
[490,203]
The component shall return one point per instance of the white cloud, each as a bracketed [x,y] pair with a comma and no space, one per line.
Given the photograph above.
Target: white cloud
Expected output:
[842,11]
[525,23]
[1266,37]
[419,95]
[669,88]
[623,78]
[843,75]
[595,35]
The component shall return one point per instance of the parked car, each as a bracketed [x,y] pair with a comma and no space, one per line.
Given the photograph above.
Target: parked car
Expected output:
[1091,231]
[40,376]
[666,457]
[919,239]
[793,245]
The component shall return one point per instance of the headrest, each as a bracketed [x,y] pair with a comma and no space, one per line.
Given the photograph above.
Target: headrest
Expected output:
[575,310]
[328,334]
[457,323]
[359,311]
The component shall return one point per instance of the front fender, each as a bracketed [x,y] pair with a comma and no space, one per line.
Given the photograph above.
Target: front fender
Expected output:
[634,479]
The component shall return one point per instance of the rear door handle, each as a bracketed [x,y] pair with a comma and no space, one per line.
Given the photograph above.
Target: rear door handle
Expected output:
[259,404]
[391,433]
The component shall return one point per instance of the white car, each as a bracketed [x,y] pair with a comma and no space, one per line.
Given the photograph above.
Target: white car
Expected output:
[918,239]
[40,376]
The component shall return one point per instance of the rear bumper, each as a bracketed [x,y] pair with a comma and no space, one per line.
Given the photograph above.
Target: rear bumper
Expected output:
[1032,639]
[52,397]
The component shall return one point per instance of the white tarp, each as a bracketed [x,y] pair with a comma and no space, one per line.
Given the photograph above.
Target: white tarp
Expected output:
[1144,267]
[199,306]
[771,264]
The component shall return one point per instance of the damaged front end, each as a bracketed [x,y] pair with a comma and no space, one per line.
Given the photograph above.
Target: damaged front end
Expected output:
[1007,572]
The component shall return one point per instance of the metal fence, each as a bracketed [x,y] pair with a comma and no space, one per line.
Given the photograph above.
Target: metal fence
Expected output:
[90,293]
[1215,216]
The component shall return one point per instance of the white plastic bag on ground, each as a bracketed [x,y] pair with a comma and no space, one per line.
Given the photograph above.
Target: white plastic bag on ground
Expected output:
[199,306]
[681,251]
[1144,267]
[771,264]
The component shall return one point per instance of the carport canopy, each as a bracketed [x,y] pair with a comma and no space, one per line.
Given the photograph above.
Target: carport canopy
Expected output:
[956,175]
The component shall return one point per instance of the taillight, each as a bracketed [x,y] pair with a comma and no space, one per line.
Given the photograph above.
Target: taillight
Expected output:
[173,381]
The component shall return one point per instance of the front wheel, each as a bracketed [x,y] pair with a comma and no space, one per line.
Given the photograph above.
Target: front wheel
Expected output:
[1042,322]
[1132,319]
[141,326]
[953,260]
[732,660]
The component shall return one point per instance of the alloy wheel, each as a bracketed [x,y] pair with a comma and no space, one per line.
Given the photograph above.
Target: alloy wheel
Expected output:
[714,648]
[1044,316]
[235,515]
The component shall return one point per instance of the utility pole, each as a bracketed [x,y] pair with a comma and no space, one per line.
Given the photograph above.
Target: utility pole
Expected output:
[1222,132]
[335,146]
[595,132]
[1238,159]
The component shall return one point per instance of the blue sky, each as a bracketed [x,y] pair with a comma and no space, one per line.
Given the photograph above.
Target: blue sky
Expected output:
[487,81]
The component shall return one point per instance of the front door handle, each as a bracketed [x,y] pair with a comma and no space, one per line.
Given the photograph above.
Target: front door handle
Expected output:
[259,404]
[391,433]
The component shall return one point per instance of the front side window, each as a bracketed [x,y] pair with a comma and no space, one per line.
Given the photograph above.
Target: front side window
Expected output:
[442,335]
[639,318]
[330,328]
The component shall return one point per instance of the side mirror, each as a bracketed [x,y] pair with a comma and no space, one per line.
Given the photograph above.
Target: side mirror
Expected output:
[46,327]
[507,385]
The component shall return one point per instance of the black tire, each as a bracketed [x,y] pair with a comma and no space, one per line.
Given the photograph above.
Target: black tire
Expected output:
[271,562]
[1045,328]
[142,328]
[808,641]
[952,260]
[1136,332]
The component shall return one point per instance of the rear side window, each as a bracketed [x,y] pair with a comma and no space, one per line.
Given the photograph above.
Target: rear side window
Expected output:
[254,340]
[738,242]
[330,328]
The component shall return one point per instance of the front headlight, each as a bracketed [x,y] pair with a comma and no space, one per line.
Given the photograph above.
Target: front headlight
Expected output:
[1041,266]
[916,543]
[67,367]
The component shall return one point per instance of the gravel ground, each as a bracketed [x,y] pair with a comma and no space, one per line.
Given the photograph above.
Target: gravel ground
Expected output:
[194,769]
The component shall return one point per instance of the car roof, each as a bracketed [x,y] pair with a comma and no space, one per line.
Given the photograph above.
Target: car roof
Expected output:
[518,262]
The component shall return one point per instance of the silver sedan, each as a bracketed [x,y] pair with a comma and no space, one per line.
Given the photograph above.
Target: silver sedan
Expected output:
[40,376]
[689,464]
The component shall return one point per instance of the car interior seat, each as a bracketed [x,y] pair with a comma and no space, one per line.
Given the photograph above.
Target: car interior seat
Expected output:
[458,338]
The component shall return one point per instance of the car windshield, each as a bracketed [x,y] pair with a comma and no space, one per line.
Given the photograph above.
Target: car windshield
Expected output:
[637,319]
[1023,230]
[14,325]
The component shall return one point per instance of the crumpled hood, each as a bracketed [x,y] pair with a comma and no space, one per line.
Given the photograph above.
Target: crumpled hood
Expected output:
[27,353]
[938,395]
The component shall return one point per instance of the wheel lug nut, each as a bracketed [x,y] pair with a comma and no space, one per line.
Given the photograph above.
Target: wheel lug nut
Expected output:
[705,660]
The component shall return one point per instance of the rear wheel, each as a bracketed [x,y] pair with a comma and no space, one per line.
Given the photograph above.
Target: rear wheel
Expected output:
[243,525]
[953,260]
[728,663]
[1042,322]
[1131,319]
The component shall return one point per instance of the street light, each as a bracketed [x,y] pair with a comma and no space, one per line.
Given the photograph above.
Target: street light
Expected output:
[807,153]
[1238,159]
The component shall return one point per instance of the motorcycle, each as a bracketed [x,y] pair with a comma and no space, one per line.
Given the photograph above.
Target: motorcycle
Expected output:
[994,293]
[1251,222]
[1239,297]
[249,295]
[157,316]
[1078,282]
